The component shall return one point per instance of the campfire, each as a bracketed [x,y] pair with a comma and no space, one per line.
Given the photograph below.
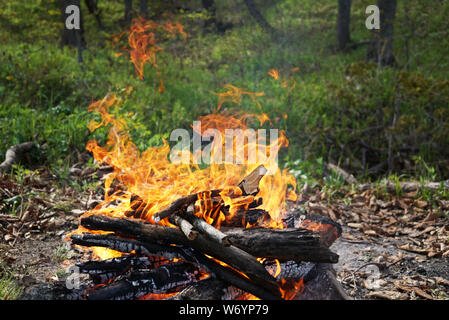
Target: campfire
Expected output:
[183,230]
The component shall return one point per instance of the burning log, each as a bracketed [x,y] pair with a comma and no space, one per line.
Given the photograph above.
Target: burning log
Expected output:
[227,275]
[230,255]
[206,289]
[250,184]
[244,217]
[281,244]
[180,203]
[105,270]
[165,279]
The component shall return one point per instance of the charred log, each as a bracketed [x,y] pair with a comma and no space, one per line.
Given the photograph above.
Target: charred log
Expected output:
[231,255]
[281,244]
[165,279]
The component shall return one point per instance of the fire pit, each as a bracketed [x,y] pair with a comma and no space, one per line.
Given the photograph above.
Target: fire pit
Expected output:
[170,230]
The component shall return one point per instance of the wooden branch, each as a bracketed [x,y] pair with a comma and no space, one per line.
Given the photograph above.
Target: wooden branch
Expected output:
[231,255]
[14,153]
[349,178]
[205,228]
[253,217]
[180,203]
[185,226]
[166,279]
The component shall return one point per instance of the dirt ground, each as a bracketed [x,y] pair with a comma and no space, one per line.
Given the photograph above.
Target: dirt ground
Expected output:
[390,248]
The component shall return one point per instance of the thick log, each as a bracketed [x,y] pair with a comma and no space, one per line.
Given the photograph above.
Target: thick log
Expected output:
[206,289]
[281,244]
[225,274]
[231,255]
[105,270]
[242,218]
[165,279]
[127,245]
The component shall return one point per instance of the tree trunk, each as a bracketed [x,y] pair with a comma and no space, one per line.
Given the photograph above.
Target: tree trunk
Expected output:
[128,10]
[92,6]
[144,8]
[209,6]
[381,49]
[258,16]
[72,37]
[343,22]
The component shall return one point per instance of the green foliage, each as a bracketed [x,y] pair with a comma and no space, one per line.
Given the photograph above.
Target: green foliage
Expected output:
[337,106]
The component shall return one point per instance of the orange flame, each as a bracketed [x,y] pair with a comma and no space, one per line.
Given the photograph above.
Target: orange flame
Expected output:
[143,39]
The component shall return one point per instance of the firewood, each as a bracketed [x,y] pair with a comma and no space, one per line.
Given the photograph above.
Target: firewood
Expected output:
[205,228]
[185,226]
[227,275]
[165,279]
[249,186]
[231,255]
[180,203]
[281,244]
[206,289]
[104,270]
[243,217]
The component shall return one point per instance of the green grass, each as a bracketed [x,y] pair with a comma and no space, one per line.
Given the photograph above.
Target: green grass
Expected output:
[336,102]
[9,289]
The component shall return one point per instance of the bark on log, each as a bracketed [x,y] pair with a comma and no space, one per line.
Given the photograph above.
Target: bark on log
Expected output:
[206,289]
[227,275]
[184,226]
[281,244]
[165,279]
[253,217]
[181,203]
[146,232]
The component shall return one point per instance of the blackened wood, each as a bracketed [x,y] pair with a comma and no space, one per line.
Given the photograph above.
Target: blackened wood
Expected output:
[226,274]
[281,244]
[180,203]
[231,255]
[258,16]
[126,245]
[165,279]
[205,228]
[243,217]
[206,289]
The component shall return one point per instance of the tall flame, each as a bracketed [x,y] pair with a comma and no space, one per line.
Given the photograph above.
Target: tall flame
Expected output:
[158,181]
